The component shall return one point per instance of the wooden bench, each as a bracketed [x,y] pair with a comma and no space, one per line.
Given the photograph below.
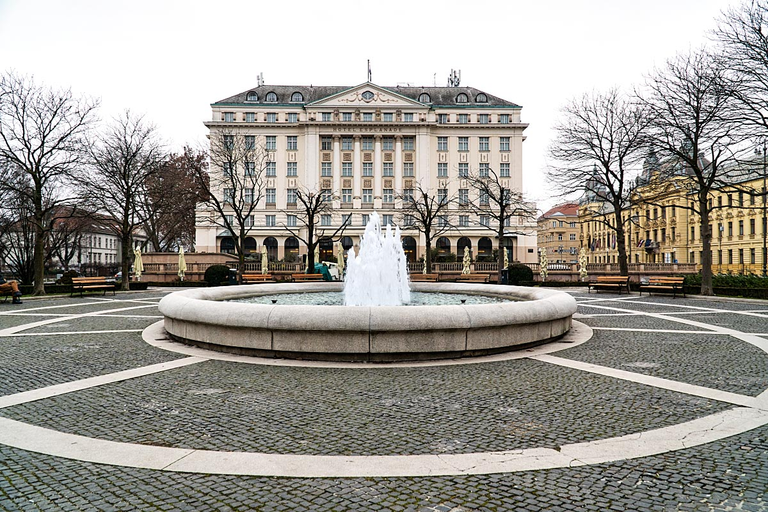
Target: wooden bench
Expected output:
[617,283]
[423,277]
[664,284]
[83,284]
[299,278]
[472,278]
[257,278]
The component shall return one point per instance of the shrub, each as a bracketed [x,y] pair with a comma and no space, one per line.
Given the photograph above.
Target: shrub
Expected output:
[216,274]
[517,273]
[66,277]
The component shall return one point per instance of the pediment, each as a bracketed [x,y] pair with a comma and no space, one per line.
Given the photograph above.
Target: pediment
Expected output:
[366,95]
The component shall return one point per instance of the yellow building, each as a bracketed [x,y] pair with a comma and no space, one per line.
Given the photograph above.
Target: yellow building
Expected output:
[367,146]
[558,233]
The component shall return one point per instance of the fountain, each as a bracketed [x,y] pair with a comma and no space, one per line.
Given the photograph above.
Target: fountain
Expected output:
[372,325]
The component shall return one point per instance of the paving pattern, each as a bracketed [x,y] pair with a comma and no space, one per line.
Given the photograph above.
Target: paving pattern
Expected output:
[507,405]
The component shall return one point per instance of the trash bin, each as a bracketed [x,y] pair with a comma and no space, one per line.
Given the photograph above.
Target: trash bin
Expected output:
[232,277]
[505,276]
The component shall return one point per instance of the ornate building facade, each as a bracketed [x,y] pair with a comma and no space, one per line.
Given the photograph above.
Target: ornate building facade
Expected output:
[558,233]
[369,146]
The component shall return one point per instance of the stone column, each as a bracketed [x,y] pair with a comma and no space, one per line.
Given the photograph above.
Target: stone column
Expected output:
[377,171]
[336,164]
[357,171]
[398,164]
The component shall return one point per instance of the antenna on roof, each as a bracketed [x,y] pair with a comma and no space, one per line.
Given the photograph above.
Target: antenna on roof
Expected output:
[454,78]
[369,70]
[260,79]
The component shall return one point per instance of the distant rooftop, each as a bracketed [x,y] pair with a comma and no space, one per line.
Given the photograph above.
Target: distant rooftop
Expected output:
[562,210]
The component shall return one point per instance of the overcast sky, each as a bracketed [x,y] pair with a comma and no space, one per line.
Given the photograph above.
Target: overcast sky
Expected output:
[170,59]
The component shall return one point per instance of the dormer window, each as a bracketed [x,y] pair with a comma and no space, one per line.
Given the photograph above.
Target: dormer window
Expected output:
[481,98]
[251,96]
[462,98]
[425,98]
[296,97]
[367,95]
[271,97]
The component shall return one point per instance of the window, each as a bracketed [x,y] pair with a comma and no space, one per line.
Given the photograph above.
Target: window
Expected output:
[730,256]
[368,116]
[485,144]
[408,220]
[229,141]
[290,221]
[326,169]
[463,221]
[463,143]
[481,98]
[424,98]
[442,170]
[228,168]
[271,142]
[271,220]
[408,195]
[751,226]
[291,196]
[483,118]
[388,144]
[346,116]
[442,195]
[271,117]
[503,143]
[408,143]
[293,143]
[271,196]
[326,143]
[463,170]
[463,118]
[752,256]
[250,142]
[297,97]
[442,118]
[485,220]
[271,169]
[346,169]
[325,220]
[484,167]
[741,228]
[463,196]
[347,143]
[503,118]
[250,168]
[442,143]
[326,196]
[442,221]
[504,170]
[408,117]
[229,195]
[251,96]
[326,116]
[271,97]
[367,169]
[292,169]
[346,219]
[388,219]
[388,117]
[484,200]
[346,195]
[408,169]
[388,196]
[250,117]
[573,237]
[368,95]
[367,144]
[293,117]
[462,98]
[389,169]
[229,117]
[367,196]
[365,217]
[741,256]
[730,229]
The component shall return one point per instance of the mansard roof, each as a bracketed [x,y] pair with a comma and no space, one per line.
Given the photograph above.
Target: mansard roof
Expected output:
[439,96]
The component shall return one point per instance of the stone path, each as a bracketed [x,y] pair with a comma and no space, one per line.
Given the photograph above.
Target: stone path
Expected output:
[654,404]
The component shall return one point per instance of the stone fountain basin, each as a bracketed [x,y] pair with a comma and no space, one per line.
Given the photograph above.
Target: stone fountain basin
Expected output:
[379,333]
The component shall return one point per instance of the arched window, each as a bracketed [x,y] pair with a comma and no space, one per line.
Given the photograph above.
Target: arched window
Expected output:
[425,98]
[227,245]
[461,98]
[326,250]
[271,97]
[250,245]
[291,249]
[443,246]
[346,243]
[481,98]
[461,244]
[485,248]
[409,248]
[297,97]
[271,244]
[251,96]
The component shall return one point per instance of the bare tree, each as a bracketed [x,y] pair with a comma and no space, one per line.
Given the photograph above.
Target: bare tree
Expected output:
[66,240]
[696,129]
[123,158]
[172,195]
[499,208]
[598,143]
[232,190]
[429,214]
[311,205]
[43,134]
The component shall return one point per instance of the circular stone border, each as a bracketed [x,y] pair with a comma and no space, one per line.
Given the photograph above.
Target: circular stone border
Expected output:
[360,333]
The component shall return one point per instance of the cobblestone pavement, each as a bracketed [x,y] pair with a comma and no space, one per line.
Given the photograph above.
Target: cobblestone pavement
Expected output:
[446,409]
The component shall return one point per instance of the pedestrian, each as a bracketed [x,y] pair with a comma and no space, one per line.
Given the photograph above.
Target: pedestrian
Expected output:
[10,288]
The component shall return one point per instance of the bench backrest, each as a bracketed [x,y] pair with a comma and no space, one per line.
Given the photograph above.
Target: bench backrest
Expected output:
[307,276]
[88,280]
[257,276]
[666,280]
[612,279]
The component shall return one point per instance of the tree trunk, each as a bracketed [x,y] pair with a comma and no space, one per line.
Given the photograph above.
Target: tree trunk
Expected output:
[125,267]
[621,243]
[428,254]
[500,256]
[39,257]
[706,250]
